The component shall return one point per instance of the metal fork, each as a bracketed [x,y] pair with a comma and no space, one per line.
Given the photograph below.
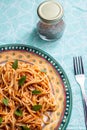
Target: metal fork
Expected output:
[80,78]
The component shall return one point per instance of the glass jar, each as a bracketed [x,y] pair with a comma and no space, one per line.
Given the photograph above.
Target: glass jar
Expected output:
[51,24]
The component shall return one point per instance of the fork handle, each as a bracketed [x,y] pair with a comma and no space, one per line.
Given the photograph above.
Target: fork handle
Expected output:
[84,105]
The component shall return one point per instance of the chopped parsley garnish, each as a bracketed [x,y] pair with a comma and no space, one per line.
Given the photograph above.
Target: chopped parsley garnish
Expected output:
[25,128]
[36,92]
[36,107]
[15,64]
[5,101]
[18,112]
[22,80]
[1,120]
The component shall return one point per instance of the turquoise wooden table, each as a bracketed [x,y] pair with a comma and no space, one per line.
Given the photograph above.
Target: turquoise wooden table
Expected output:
[18,21]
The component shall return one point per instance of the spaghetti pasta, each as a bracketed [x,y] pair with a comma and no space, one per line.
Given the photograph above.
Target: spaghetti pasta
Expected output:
[25,97]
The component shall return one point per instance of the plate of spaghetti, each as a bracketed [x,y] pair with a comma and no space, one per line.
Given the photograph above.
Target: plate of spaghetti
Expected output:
[35,92]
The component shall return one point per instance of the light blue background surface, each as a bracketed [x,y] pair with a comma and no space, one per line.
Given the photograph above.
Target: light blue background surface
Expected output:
[18,19]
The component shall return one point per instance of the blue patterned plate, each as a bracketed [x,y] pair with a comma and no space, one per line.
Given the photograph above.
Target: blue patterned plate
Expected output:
[60,82]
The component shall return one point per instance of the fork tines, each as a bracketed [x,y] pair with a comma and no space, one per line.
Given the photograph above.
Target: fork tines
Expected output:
[78,65]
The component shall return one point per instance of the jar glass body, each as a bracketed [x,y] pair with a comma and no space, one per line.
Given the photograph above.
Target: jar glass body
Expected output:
[50,31]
